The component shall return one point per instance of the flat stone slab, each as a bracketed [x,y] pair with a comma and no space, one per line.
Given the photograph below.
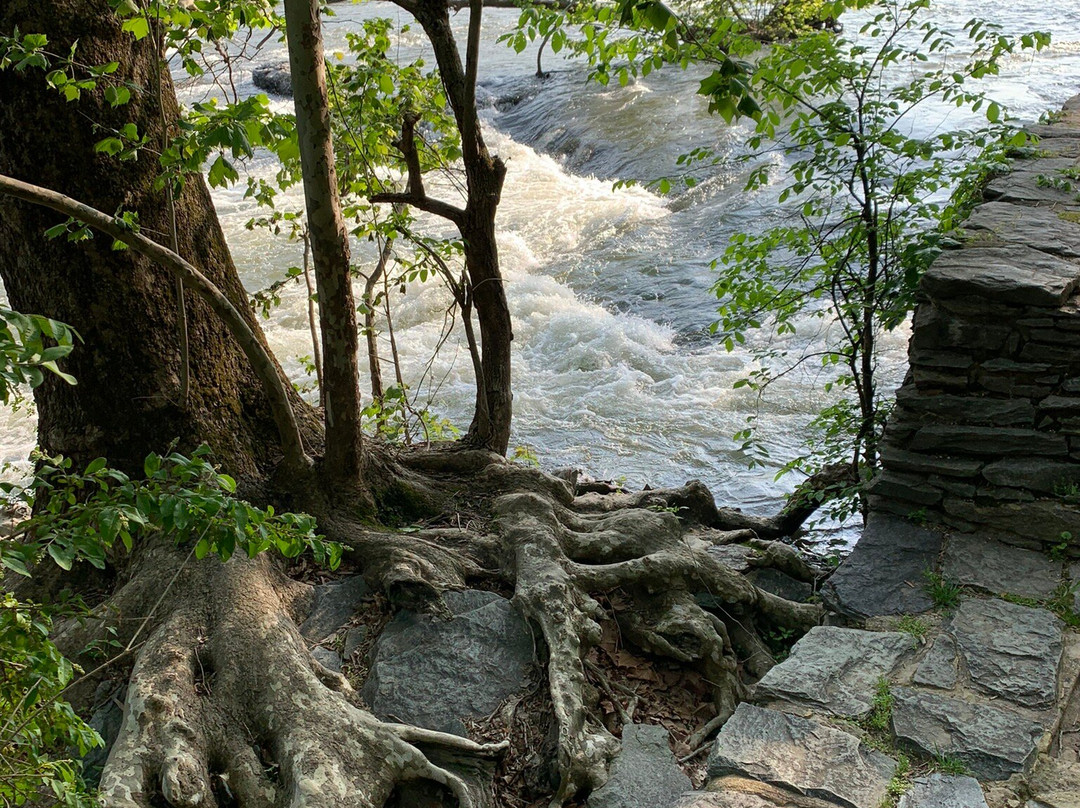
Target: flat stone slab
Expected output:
[885,572]
[747,794]
[938,667]
[1025,188]
[645,774]
[433,672]
[333,605]
[974,560]
[1040,228]
[801,755]
[1016,275]
[994,742]
[1011,651]
[836,669]
[944,791]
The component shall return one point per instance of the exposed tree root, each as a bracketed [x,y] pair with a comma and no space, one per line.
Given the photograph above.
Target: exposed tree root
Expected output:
[226,704]
[200,731]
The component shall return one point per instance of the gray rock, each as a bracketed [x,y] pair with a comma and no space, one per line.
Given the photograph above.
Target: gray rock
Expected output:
[938,667]
[1044,519]
[354,638]
[747,794]
[1015,275]
[1024,187]
[333,605]
[107,720]
[327,657]
[944,791]
[994,742]
[802,755]
[273,78]
[884,573]
[1011,651]
[984,440]
[645,773]
[900,460]
[1041,476]
[780,584]
[836,669]
[974,560]
[1036,227]
[433,672]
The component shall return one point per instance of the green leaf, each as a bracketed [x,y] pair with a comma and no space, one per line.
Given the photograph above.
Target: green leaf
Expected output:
[138,26]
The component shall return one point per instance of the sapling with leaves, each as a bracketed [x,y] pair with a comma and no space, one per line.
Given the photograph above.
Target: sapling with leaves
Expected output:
[867,195]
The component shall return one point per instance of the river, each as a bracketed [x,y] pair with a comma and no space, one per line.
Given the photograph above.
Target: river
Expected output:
[614,370]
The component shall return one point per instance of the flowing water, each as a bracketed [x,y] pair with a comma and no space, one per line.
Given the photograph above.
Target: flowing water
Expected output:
[615,371]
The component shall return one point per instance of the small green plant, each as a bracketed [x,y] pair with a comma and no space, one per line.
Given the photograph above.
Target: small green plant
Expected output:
[880,717]
[1052,116]
[913,625]
[919,516]
[1057,183]
[1059,551]
[900,782]
[946,764]
[780,642]
[945,593]
[526,454]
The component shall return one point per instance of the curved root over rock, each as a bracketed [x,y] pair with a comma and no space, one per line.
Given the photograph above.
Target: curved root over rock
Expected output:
[226,706]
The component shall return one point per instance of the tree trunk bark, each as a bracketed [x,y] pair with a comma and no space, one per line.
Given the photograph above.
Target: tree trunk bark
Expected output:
[329,241]
[484,174]
[127,402]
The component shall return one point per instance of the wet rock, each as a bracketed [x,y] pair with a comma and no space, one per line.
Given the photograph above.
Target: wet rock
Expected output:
[884,573]
[1016,275]
[780,584]
[1011,651]
[1025,188]
[327,657]
[944,791]
[738,792]
[836,669]
[333,605]
[273,78]
[433,672]
[645,773]
[801,755]
[938,667]
[974,560]
[994,742]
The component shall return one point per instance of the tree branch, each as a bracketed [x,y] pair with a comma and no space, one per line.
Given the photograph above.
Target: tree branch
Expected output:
[435,206]
[261,362]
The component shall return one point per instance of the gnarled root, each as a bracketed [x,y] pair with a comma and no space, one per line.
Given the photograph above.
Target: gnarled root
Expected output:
[559,555]
[225,699]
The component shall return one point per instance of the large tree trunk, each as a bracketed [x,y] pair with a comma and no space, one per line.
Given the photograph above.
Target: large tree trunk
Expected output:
[128,402]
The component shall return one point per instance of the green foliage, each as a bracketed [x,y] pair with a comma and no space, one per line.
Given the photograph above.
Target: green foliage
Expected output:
[913,625]
[944,593]
[38,731]
[526,454]
[900,783]
[881,707]
[865,194]
[947,764]
[81,515]
[31,345]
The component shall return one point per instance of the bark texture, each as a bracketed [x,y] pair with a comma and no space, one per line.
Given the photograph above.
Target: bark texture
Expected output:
[124,307]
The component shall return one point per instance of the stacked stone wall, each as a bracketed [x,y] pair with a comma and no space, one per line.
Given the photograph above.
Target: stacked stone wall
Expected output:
[986,429]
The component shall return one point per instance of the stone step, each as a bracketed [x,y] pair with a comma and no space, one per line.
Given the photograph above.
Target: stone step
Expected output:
[803,756]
